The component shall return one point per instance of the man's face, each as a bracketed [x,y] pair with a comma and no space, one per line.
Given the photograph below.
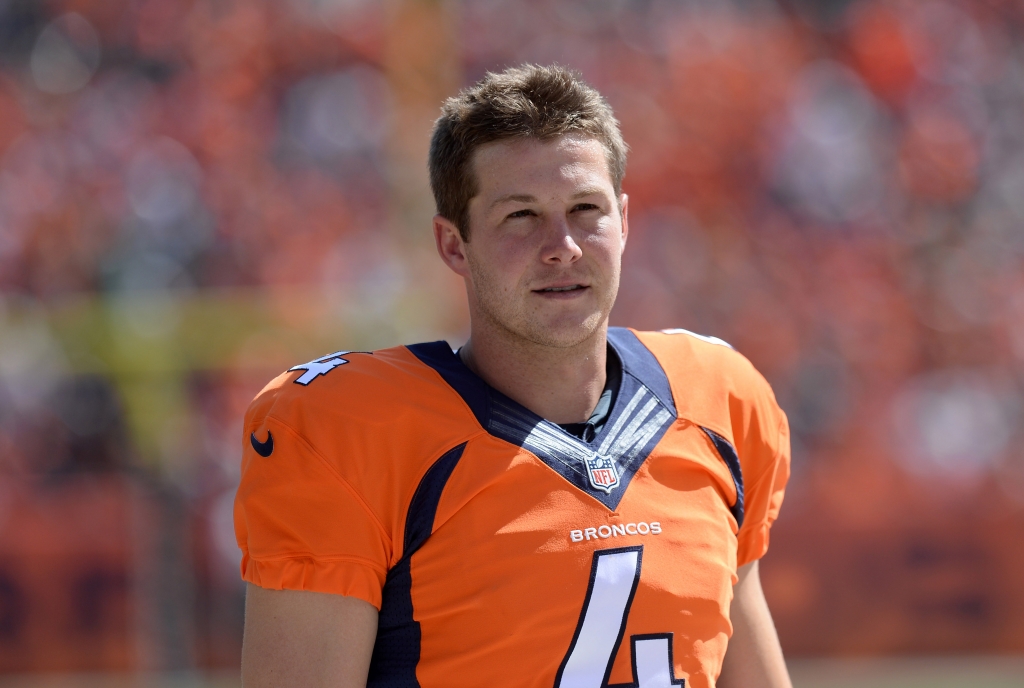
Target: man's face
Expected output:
[546,239]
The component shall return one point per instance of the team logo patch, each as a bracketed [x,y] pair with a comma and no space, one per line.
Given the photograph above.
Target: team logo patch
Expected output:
[602,473]
[264,448]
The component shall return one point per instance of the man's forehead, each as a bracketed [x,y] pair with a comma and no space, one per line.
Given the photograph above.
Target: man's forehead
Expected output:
[531,146]
[500,162]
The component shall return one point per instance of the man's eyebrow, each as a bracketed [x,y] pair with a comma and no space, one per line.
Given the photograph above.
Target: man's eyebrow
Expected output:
[521,198]
[527,198]
[587,192]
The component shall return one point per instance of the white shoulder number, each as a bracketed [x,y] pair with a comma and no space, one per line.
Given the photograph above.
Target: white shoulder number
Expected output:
[614,577]
[319,366]
[702,337]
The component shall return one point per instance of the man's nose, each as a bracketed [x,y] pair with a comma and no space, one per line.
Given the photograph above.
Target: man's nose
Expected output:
[559,244]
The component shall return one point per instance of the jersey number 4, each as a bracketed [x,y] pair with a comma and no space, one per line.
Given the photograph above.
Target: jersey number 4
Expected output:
[614,577]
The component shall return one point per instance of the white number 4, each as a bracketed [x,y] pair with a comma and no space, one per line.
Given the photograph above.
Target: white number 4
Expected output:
[588,663]
[319,366]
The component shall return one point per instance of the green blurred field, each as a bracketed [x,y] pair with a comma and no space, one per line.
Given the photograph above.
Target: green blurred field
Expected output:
[932,672]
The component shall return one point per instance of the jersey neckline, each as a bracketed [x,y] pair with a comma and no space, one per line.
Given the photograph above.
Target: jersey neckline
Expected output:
[642,412]
[589,429]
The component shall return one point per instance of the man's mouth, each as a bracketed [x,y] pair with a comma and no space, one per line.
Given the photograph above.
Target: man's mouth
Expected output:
[570,287]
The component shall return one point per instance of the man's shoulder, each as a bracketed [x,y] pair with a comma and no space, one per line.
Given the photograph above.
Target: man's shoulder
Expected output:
[352,389]
[684,353]
[710,380]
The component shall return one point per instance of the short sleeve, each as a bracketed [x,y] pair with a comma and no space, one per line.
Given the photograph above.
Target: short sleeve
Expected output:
[300,525]
[764,456]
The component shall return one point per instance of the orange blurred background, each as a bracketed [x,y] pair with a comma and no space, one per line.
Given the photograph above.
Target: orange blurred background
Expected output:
[198,194]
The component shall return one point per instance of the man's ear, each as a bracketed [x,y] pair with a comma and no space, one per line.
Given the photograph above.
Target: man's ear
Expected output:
[624,210]
[450,245]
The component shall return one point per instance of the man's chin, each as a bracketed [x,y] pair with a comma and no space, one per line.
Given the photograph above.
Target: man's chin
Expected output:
[564,335]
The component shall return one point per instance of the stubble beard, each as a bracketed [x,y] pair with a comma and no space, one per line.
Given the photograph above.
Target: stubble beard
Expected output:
[519,324]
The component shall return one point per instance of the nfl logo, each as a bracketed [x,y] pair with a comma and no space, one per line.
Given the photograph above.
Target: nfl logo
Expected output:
[603,475]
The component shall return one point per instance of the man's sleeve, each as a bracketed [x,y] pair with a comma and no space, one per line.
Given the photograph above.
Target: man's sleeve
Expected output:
[764,456]
[299,524]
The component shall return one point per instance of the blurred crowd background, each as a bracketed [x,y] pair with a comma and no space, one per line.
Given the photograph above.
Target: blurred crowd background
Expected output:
[198,194]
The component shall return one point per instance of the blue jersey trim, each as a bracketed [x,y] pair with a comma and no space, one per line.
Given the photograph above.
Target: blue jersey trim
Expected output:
[603,467]
[732,460]
[474,391]
[396,651]
[638,361]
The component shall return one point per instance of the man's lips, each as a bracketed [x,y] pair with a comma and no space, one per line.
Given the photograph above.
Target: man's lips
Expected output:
[561,288]
[562,291]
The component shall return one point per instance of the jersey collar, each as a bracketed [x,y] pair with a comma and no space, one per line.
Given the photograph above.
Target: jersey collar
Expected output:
[603,467]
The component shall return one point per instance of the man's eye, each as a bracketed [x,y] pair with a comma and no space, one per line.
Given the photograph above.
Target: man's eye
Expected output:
[585,206]
[521,213]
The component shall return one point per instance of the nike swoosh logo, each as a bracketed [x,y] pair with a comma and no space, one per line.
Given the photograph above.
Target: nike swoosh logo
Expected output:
[263,448]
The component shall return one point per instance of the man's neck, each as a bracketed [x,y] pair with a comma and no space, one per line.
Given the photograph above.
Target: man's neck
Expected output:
[561,385]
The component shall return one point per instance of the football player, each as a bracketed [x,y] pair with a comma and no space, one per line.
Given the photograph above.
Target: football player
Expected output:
[556,503]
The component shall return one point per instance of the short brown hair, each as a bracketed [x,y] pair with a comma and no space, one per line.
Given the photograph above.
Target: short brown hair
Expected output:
[520,102]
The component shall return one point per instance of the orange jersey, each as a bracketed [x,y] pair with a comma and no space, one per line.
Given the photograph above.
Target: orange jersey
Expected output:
[500,549]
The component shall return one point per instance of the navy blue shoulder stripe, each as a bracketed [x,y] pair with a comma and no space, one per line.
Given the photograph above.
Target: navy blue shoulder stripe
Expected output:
[397,649]
[473,390]
[638,361]
[420,520]
[732,460]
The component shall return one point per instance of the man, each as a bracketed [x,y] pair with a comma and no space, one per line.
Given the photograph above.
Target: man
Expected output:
[557,503]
